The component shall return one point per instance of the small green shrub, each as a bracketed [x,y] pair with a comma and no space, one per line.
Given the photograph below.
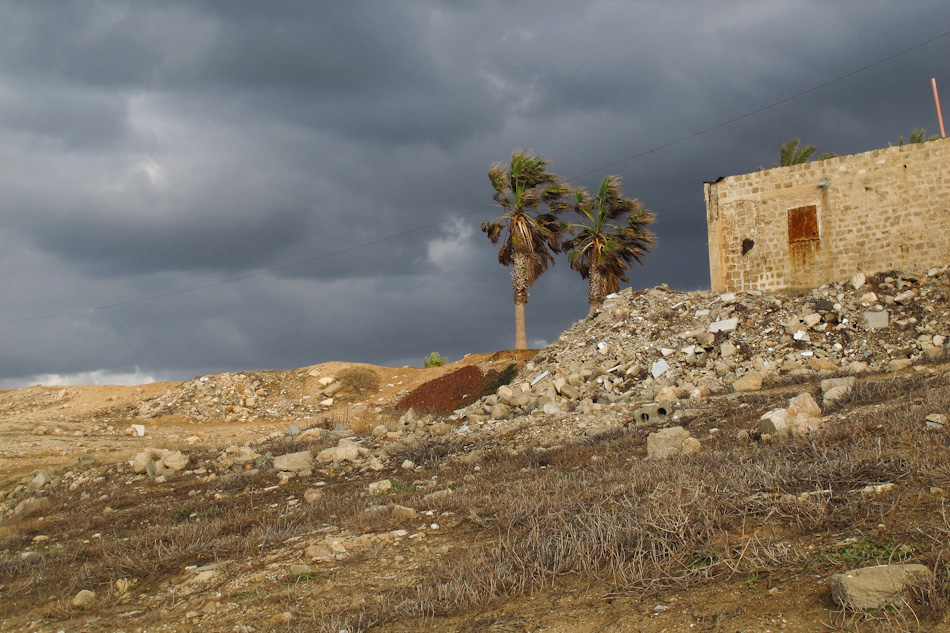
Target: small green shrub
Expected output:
[359,380]
[434,360]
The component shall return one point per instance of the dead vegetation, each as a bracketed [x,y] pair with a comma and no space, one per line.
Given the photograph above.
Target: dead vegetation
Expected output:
[593,510]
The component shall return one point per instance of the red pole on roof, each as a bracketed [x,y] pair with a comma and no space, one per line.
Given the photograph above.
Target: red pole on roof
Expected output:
[933,82]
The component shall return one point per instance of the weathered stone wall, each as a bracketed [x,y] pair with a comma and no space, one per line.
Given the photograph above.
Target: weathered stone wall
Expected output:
[810,224]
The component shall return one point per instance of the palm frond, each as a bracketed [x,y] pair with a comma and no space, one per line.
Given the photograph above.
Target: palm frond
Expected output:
[523,189]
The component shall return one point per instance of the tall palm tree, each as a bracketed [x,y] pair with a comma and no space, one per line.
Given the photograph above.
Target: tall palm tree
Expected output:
[529,236]
[604,246]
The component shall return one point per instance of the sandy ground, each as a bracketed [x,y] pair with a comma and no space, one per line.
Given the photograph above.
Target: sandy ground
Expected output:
[50,426]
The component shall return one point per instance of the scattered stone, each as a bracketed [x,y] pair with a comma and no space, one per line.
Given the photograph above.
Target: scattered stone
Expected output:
[936,421]
[803,404]
[318,552]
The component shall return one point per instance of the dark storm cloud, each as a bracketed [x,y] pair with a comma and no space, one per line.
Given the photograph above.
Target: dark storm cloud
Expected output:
[151,148]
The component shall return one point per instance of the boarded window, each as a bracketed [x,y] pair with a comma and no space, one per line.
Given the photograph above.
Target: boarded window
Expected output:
[802,224]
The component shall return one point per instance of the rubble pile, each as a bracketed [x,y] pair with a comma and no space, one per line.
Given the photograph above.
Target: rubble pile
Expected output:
[661,345]
[247,396]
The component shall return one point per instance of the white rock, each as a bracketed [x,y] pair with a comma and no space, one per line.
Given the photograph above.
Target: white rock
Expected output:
[725,325]
[659,368]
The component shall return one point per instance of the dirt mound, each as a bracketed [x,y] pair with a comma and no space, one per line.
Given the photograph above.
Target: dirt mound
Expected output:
[449,392]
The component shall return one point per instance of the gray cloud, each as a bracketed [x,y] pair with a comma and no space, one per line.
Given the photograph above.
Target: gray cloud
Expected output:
[153,148]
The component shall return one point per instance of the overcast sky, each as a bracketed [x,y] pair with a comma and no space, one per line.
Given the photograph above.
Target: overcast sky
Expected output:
[148,148]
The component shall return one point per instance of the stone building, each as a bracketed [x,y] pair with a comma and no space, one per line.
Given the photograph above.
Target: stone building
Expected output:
[810,224]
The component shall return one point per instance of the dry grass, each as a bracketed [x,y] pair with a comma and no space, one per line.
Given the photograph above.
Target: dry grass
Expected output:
[594,509]
[642,525]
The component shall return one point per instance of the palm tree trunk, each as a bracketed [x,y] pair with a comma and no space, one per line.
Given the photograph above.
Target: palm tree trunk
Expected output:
[595,290]
[521,339]
[519,283]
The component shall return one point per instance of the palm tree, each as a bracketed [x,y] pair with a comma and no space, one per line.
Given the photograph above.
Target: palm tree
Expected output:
[918,136]
[529,236]
[793,153]
[604,246]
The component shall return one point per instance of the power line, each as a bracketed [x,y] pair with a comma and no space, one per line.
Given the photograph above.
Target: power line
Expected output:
[483,208]
[764,108]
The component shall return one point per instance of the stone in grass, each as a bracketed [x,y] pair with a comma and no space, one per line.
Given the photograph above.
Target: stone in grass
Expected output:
[312,495]
[380,487]
[879,586]
[294,462]
[83,599]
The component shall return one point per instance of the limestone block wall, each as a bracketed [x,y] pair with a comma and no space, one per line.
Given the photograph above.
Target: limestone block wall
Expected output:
[809,224]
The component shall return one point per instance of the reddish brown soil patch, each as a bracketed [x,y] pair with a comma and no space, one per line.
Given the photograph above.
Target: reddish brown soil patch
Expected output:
[446,393]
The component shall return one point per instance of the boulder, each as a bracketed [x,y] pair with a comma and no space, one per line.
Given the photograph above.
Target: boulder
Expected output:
[294,462]
[40,479]
[879,586]
[141,461]
[804,403]
[775,422]
[834,389]
[174,460]
[345,451]
[669,442]
[750,381]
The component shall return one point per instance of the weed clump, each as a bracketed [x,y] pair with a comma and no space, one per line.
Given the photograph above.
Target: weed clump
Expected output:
[434,360]
[359,380]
